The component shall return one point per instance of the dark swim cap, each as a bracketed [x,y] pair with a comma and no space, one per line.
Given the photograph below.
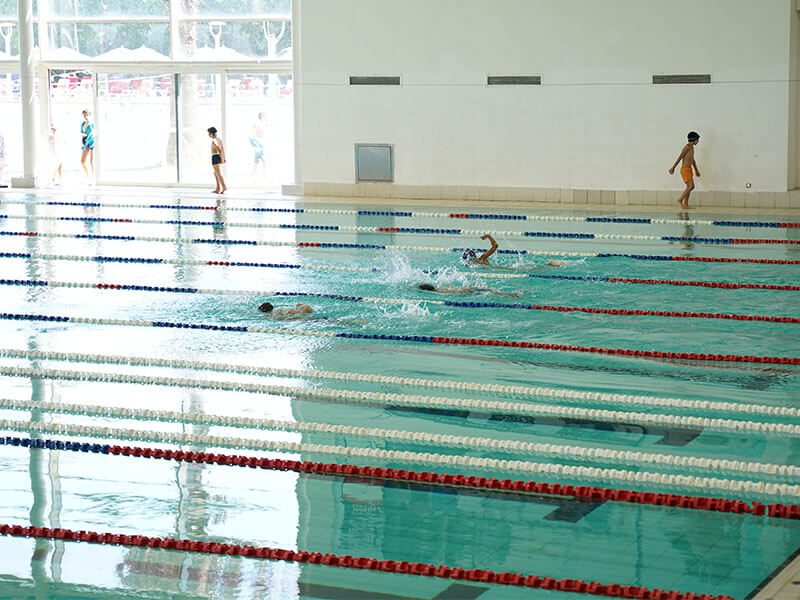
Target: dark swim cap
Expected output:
[693,135]
[469,255]
[427,287]
[266,307]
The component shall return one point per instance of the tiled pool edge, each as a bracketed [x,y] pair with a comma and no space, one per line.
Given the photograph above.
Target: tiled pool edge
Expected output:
[783,584]
[559,196]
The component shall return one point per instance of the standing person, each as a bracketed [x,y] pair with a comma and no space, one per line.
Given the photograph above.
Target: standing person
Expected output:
[2,158]
[256,140]
[55,155]
[87,145]
[689,163]
[217,160]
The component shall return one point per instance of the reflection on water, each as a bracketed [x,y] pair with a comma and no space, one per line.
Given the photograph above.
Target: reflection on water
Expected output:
[611,542]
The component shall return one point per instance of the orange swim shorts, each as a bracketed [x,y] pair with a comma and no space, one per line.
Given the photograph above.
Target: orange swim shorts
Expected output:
[687,175]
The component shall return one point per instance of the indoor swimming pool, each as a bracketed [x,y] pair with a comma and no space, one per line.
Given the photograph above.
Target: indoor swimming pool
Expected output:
[655,366]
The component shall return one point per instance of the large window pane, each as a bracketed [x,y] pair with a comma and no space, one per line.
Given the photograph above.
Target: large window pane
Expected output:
[237,40]
[73,40]
[9,37]
[71,92]
[260,140]
[136,114]
[200,107]
[10,125]
[242,7]
[107,8]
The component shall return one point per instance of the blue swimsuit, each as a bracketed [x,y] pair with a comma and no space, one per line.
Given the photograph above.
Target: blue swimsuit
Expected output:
[87,136]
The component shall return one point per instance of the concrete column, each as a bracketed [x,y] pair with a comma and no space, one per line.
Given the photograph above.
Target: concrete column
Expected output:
[27,76]
[296,188]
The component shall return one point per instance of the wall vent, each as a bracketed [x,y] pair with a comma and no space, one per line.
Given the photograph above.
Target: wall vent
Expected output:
[514,80]
[380,80]
[668,79]
[375,162]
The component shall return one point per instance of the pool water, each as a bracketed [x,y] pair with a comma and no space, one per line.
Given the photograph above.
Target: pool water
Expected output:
[371,293]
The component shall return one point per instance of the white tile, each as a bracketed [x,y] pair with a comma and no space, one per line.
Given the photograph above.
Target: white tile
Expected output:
[794,199]
[622,197]
[552,194]
[607,197]
[649,198]
[783,199]
[722,199]
[566,196]
[751,200]
[580,196]
[766,199]
[635,197]
[737,199]
[595,196]
[539,194]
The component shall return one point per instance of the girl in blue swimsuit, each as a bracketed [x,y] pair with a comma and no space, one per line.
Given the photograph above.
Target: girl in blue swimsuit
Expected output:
[87,145]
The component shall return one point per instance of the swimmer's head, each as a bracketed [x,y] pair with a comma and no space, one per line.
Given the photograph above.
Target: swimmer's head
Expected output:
[212,132]
[427,287]
[266,307]
[469,255]
[693,136]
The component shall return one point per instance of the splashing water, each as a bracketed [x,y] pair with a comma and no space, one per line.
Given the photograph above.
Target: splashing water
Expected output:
[399,271]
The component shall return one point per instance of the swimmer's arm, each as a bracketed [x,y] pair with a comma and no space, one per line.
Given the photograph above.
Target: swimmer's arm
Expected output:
[696,170]
[679,159]
[491,250]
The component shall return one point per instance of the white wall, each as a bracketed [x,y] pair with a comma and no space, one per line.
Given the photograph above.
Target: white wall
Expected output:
[597,122]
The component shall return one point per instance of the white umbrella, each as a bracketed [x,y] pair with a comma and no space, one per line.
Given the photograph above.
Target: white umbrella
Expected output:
[140,54]
[64,53]
[221,53]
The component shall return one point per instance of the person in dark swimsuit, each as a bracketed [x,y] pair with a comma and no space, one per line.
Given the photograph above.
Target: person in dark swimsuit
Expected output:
[217,160]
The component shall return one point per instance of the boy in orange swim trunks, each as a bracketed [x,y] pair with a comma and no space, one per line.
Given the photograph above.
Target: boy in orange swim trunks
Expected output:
[687,156]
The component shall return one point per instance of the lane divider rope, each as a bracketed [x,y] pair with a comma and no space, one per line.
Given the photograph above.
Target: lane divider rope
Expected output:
[559,450]
[414,230]
[425,339]
[354,562]
[451,460]
[387,247]
[490,485]
[372,300]
[561,395]
[422,214]
[348,269]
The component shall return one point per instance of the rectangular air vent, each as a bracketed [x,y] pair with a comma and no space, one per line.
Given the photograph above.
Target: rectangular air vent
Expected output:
[514,80]
[375,162]
[668,79]
[381,80]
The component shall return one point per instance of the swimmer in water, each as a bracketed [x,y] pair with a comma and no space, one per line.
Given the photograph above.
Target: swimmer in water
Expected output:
[285,313]
[428,287]
[470,257]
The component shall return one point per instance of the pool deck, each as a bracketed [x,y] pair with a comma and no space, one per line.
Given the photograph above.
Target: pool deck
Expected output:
[785,585]
[271,195]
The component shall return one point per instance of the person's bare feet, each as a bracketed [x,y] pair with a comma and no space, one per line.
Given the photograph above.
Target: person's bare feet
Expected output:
[223,190]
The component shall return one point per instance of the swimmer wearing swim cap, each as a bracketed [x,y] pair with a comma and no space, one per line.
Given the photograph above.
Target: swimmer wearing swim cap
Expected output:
[470,256]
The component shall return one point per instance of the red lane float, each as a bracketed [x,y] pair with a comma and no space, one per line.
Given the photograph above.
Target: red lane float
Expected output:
[665,313]
[773,360]
[758,261]
[778,511]
[761,241]
[355,562]
[707,284]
